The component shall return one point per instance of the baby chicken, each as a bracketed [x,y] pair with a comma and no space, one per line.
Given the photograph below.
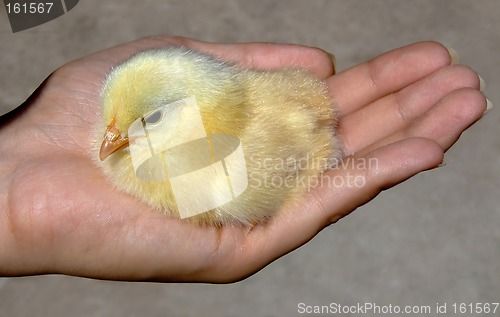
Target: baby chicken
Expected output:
[202,139]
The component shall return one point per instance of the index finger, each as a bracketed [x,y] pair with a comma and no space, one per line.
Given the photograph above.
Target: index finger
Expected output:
[361,85]
[263,56]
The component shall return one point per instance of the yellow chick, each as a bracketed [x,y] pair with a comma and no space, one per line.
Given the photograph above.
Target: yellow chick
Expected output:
[202,139]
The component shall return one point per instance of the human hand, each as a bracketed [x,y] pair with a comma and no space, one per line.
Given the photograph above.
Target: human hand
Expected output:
[402,110]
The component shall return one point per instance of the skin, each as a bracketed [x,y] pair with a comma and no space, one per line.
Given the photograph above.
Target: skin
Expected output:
[60,215]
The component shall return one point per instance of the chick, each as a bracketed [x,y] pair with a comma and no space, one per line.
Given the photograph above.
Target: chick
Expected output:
[261,137]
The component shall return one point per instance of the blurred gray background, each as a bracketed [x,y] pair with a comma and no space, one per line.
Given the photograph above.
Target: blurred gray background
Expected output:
[434,239]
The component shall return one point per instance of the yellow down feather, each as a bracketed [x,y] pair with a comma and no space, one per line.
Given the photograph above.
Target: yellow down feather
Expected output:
[282,118]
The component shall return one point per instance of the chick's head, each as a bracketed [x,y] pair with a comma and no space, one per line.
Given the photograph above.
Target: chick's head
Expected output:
[138,86]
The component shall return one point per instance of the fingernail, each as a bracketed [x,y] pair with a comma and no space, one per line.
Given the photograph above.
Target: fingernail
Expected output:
[489,106]
[334,60]
[455,58]
[482,83]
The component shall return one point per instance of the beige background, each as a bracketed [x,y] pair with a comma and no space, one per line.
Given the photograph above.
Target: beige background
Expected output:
[433,239]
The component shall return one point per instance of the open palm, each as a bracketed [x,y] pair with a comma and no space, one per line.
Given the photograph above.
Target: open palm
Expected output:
[60,215]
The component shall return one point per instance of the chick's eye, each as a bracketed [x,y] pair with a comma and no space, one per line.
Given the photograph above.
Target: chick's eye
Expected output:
[153,118]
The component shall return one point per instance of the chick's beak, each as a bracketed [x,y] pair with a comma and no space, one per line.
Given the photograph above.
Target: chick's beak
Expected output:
[113,141]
